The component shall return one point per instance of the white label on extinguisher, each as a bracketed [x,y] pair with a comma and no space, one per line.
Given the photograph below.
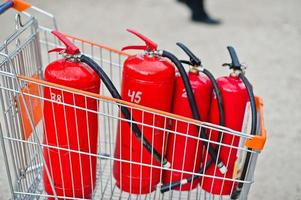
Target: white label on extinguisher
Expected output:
[184,93]
[135,96]
[56,97]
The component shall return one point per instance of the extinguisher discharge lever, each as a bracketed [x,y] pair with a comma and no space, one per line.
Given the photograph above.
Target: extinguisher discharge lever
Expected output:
[235,64]
[149,44]
[194,61]
[70,47]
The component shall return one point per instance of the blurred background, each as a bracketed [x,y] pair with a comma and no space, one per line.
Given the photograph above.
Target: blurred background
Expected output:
[266,35]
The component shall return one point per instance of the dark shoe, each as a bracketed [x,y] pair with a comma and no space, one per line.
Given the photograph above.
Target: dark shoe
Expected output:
[205,19]
[182,1]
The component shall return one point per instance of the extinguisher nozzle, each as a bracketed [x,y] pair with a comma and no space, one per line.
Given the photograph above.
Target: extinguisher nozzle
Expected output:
[235,194]
[170,186]
[222,168]
[173,185]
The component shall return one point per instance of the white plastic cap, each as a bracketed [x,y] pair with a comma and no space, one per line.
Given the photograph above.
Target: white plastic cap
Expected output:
[184,181]
[167,165]
[223,169]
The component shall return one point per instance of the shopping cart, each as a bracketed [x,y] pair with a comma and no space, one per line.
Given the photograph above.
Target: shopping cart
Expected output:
[23,56]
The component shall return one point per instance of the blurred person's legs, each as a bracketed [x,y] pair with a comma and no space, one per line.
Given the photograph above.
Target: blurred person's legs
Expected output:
[198,12]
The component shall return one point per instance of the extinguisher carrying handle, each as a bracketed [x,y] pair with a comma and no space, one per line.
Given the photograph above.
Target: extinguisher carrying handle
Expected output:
[149,44]
[125,111]
[194,109]
[194,61]
[70,47]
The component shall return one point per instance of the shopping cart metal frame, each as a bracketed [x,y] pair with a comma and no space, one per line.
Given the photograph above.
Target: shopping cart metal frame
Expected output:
[23,55]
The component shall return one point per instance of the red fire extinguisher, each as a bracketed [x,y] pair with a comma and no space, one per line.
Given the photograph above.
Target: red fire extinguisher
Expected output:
[203,83]
[72,174]
[147,80]
[185,153]
[196,115]
[236,91]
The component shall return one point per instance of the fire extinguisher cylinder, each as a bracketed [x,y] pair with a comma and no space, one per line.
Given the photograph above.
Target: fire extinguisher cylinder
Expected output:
[196,65]
[71,174]
[194,108]
[236,65]
[236,193]
[142,74]
[236,92]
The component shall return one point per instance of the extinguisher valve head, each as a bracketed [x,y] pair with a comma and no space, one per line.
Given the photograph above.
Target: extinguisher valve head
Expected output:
[199,68]
[158,52]
[70,49]
[149,46]
[236,71]
[193,67]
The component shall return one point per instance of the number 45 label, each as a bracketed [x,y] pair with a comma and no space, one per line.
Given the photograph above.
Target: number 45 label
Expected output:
[135,96]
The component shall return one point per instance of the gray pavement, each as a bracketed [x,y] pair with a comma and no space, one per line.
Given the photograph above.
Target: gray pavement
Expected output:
[267,36]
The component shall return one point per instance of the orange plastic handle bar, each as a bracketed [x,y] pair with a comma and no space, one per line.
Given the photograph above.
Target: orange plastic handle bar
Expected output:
[137,106]
[20,5]
[257,142]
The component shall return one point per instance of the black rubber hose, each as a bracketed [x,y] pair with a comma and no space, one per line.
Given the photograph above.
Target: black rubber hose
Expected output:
[187,85]
[115,94]
[236,193]
[167,187]
[193,106]
[218,98]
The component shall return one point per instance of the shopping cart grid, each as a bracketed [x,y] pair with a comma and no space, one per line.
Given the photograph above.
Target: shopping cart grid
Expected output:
[23,57]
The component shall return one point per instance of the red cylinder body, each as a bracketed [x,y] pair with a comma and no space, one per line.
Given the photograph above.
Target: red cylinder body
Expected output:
[235,97]
[73,174]
[147,80]
[185,153]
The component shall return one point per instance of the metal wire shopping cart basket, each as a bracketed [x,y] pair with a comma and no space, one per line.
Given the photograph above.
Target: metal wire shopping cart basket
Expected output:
[23,56]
